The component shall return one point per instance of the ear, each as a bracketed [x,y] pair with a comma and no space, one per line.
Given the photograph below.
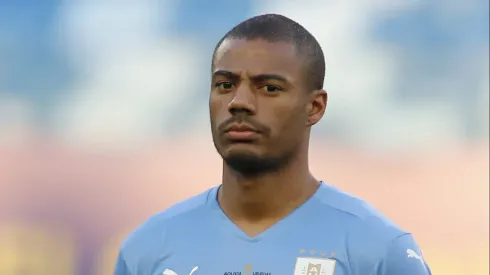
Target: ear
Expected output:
[316,106]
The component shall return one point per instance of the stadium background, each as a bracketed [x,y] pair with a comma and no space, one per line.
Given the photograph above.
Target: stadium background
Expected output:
[103,120]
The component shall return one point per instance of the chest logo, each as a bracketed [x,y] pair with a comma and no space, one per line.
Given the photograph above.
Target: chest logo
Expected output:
[314,266]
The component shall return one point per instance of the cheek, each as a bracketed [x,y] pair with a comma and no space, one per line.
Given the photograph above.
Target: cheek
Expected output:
[216,107]
[292,122]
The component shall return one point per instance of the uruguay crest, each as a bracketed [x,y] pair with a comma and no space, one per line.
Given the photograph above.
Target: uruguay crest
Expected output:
[314,266]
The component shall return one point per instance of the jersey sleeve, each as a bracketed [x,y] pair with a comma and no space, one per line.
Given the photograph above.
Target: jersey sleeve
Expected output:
[403,257]
[121,266]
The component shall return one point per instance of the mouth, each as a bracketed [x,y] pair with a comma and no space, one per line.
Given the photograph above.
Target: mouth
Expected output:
[243,133]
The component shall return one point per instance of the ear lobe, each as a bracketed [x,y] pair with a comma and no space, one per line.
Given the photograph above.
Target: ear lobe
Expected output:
[317,106]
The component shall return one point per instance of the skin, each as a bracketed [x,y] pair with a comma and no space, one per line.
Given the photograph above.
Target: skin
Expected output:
[262,84]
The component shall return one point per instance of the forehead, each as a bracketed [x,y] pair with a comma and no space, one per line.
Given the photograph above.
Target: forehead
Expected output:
[255,57]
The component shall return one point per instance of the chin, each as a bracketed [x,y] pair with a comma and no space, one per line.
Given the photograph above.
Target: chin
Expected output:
[240,152]
[251,164]
[242,148]
[245,163]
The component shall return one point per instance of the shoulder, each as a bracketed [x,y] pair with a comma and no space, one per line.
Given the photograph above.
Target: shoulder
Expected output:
[150,237]
[369,232]
[356,212]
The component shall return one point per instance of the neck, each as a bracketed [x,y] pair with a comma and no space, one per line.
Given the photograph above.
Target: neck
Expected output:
[269,196]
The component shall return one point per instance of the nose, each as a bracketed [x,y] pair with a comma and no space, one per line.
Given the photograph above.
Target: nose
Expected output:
[243,101]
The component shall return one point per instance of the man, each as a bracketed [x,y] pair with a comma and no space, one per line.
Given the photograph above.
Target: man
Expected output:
[270,215]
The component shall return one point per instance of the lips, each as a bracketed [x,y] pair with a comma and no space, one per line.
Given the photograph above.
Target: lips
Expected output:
[240,132]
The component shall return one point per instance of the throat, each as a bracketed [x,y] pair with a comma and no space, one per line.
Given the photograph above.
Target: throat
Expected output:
[256,208]
[256,218]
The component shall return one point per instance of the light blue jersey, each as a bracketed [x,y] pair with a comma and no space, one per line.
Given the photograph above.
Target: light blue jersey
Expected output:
[332,233]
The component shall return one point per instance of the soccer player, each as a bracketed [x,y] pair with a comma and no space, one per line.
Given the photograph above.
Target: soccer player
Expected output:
[270,215]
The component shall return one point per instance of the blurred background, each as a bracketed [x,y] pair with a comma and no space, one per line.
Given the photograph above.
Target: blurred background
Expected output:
[104,120]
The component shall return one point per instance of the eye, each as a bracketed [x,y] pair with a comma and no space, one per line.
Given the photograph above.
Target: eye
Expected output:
[271,89]
[224,85]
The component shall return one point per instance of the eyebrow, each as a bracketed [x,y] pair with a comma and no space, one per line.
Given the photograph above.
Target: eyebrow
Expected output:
[257,78]
[264,77]
[225,73]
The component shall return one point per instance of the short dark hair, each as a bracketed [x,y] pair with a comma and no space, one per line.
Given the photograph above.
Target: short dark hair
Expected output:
[279,28]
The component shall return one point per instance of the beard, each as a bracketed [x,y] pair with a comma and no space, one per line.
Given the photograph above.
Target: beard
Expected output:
[251,165]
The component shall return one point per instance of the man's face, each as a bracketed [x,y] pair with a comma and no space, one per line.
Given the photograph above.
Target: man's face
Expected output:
[258,104]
